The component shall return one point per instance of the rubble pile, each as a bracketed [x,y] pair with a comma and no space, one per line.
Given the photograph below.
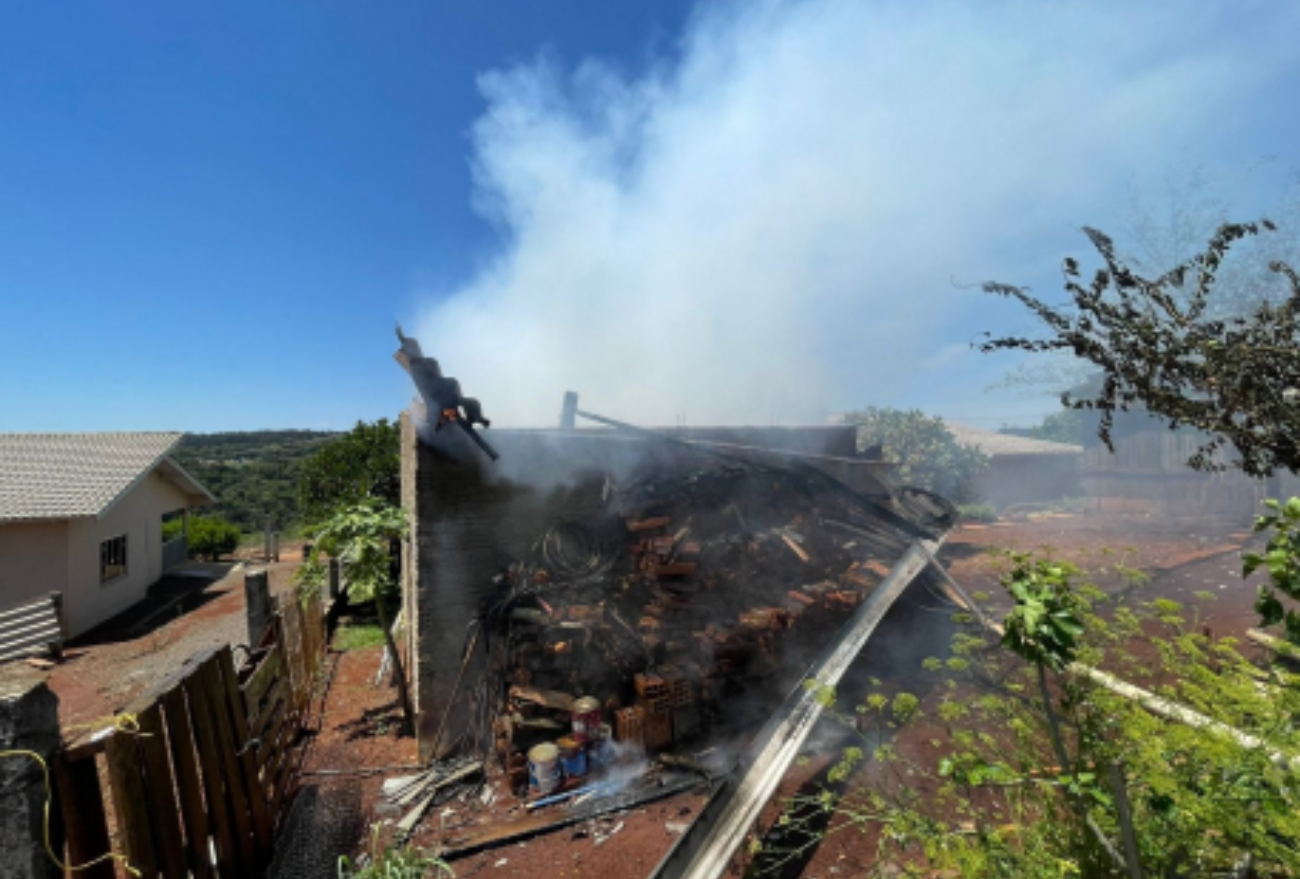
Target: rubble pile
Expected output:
[635,629]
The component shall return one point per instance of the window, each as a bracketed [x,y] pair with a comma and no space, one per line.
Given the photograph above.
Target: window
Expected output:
[112,559]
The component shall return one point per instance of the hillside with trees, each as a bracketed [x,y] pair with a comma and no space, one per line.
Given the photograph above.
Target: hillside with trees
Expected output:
[253,474]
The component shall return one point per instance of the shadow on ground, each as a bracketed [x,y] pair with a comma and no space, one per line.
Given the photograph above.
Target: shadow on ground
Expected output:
[179,592]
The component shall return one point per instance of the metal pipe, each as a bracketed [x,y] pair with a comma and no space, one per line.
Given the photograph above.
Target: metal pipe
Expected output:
[707,847]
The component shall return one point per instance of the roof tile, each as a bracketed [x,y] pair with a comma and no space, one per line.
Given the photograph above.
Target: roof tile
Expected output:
[73,475]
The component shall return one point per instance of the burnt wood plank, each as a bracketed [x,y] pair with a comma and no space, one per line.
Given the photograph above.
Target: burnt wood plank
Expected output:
[220,812]
[247,749]
[164,814]
[86,826]
[193,812]
[126,780]
[227,751]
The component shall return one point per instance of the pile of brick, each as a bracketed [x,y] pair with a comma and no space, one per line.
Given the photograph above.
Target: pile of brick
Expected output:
[685,594]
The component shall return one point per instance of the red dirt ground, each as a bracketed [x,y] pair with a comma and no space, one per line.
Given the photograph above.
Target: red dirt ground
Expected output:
[1179,560]
[103,674]
[358,727]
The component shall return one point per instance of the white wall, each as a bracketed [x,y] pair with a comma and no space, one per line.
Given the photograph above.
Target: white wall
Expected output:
[33,561]
[87,602]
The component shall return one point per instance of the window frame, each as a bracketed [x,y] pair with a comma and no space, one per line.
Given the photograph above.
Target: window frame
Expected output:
[108,570]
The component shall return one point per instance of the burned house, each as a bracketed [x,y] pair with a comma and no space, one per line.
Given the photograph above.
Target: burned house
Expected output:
[657,576]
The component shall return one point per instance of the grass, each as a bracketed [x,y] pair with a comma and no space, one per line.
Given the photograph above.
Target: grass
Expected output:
[358,636]
[392,861]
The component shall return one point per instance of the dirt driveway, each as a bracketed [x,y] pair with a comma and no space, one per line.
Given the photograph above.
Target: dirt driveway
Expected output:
[198,607]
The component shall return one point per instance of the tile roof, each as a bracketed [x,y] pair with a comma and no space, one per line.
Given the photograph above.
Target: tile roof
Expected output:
[73,475]
[991,443]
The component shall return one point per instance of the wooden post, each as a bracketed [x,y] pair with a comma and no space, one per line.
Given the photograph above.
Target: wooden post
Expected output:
[266,539]
[275,546]
[257,598]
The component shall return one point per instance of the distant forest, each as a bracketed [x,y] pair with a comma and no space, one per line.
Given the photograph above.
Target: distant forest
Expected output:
[253,474]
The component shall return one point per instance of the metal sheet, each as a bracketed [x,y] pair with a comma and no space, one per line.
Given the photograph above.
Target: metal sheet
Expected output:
[707,848]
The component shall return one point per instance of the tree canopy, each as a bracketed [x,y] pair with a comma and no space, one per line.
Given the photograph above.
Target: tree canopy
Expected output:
[926,453]
[1163,344]
[253,474]
[361,464]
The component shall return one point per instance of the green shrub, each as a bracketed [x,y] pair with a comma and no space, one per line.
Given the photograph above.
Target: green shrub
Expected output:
[212,537]
[172,529]
[925,452]
[392,861]
[977,512]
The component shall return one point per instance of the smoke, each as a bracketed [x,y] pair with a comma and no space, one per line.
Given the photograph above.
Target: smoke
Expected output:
[764,226]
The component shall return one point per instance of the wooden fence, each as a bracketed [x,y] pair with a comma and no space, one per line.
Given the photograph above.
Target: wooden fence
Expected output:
[200,789]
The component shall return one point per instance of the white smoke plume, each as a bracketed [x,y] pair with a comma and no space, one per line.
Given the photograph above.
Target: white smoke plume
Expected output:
[764,226]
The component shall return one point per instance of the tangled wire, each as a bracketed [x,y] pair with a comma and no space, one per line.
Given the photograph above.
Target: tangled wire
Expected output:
[576,553]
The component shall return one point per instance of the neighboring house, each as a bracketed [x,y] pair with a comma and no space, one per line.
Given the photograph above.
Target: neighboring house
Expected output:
[1148,473]
[82,514]
[1021,469]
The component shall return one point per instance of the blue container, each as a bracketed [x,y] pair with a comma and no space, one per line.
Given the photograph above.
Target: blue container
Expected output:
[573,759]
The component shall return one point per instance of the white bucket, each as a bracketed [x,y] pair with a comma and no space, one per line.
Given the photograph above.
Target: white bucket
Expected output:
[544,768]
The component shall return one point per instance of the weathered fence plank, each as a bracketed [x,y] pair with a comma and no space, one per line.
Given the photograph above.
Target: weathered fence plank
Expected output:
[247,755]
[164,820]
[193,812]
[85,824]
[266,673]
[124,764]
[291,634]
[228,750]
[214,784]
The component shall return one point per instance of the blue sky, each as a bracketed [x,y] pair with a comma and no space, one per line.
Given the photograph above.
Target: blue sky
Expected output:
[212,215]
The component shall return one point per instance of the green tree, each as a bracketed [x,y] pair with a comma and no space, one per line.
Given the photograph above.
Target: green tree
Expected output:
[1161,343]
[926,453]
[363,463]
[1167,222]
[211,537]
[364,537]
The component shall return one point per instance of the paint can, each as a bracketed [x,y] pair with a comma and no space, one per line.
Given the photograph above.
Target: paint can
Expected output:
[544,768]
[573,758]
[586,719]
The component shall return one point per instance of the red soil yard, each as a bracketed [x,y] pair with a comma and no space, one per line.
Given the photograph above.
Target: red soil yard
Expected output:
[356,742]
